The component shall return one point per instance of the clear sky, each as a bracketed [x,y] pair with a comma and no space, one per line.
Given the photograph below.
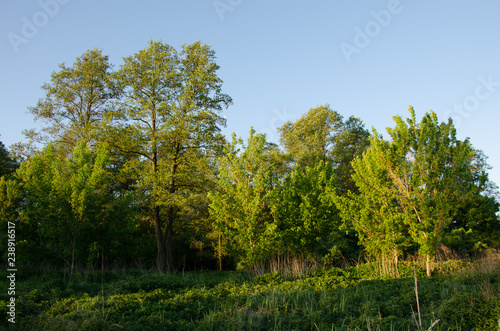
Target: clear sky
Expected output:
[371,59]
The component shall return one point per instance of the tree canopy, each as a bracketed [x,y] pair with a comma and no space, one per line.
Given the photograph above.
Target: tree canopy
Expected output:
[413,184]
[135,171]
[7,164]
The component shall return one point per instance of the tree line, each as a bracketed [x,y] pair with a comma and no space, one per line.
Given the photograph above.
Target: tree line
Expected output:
[134,171]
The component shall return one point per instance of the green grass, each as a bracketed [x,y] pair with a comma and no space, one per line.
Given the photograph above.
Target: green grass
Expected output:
[462,295]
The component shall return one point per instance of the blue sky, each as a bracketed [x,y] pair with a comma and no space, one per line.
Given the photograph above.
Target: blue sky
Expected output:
[371,59]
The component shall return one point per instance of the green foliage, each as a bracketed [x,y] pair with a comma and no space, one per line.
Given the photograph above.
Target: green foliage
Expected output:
[7,164]
[478,217]
[304,212]
[76,101]
[412,186]
[373,212]
[10,198]
[321,135]
[337,299]
[433,173]
[240,205]
[169,120]
[312,137]
[460,241]
[67,213]
[352,140]
[135,173]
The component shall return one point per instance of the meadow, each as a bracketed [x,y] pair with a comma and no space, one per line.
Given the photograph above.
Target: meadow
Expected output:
[461,295]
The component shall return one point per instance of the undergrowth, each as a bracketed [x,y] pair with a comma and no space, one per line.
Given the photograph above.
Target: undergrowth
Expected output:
[462,295]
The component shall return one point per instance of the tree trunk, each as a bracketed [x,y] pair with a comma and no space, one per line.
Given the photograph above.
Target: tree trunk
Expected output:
[219,254]
[169,231]
[428,265]
[161,257]
[169,236]
[396,262]
[73,249]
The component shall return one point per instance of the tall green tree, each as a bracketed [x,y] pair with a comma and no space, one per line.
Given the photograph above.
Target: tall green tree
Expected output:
[10,198]
[170,121]
[7,164]
[76,101]
[478,215]
[434,174]
[322,135]
[372,210]
[352,140]
[423,175]
[312,137]
[67,211]
[305,215]
[240,204]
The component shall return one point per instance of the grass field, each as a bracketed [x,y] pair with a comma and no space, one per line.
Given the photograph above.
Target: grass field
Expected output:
[462,295]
